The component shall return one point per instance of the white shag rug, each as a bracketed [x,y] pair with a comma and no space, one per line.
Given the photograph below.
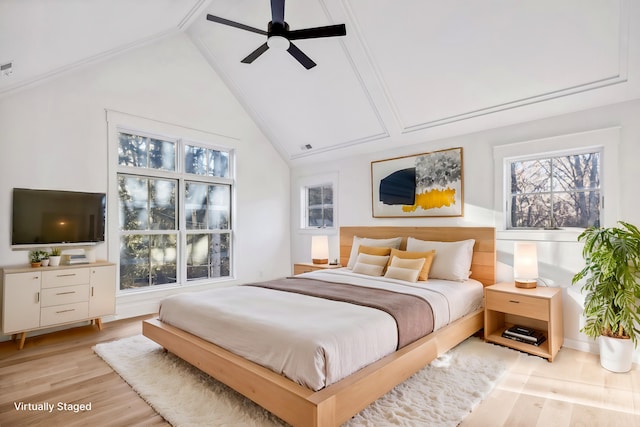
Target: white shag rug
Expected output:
[441,394]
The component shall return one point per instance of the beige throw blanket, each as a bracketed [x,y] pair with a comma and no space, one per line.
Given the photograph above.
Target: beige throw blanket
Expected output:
[412,314]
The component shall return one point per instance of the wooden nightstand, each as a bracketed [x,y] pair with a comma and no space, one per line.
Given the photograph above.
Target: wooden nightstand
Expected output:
[305,267]
[539,308]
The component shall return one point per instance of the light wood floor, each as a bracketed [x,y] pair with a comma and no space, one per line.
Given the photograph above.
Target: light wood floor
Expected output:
[61,367]
[573,391]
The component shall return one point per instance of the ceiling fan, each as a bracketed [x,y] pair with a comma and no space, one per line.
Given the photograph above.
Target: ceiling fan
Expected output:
[279,35]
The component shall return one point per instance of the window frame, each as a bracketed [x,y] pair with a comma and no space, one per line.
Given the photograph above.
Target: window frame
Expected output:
[123,123]
[606,141]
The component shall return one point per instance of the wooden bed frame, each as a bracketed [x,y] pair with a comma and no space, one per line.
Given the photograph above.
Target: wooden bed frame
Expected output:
[337,403]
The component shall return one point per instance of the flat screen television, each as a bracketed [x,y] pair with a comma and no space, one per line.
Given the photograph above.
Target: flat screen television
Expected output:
[53,217]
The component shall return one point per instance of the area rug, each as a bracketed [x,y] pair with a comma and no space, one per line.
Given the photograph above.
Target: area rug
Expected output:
[441,394]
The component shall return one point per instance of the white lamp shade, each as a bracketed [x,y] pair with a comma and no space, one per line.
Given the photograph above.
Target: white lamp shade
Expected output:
[320,249]
[525,263]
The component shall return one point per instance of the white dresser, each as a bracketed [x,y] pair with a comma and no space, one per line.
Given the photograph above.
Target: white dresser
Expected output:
[38,298]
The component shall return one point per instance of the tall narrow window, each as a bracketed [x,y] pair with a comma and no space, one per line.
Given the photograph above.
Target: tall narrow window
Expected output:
[161,243]
[553,192]
[148,231]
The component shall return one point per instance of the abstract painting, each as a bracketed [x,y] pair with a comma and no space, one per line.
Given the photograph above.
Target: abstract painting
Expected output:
[427,184]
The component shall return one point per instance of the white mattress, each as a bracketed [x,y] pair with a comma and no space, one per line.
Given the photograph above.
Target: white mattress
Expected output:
[312,341]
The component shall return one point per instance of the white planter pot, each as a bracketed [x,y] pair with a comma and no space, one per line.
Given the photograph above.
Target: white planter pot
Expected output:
[616,355]
[54,260]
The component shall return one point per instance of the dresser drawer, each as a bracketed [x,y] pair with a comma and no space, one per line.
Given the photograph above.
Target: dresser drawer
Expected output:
[66,277]
[64,313]
[64,295]
[522,305]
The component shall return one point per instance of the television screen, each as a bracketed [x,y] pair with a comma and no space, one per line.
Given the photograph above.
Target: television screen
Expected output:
[45,217]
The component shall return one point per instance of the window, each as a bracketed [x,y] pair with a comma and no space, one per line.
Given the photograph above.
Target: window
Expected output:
[319,206]
[554,192]
[175,201]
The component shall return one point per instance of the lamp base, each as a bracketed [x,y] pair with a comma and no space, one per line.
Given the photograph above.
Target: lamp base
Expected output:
[320,260]
[526,284]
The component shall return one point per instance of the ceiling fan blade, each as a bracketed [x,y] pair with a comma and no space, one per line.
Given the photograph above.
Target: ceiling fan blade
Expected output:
[277,11]
[317,32]
[255,54]
[301,57]
[235,24]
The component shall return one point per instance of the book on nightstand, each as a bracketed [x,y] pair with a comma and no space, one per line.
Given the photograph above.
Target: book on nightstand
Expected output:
[524,334]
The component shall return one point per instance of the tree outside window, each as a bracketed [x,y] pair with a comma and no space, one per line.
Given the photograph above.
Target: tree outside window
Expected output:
[151,187]
[148,241]
[555,192]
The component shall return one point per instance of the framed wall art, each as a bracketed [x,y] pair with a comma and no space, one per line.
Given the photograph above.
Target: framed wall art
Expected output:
[422,185]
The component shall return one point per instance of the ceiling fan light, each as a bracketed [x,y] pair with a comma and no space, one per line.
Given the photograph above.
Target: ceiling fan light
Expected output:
[278,42]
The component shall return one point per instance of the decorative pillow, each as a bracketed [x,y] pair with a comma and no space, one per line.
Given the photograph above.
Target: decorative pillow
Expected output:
[357,241]
[452,260]
[371,265]
[427,256]
[405,269]
[374,250]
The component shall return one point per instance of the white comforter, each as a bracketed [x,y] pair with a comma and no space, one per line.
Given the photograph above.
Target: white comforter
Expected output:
[312,341]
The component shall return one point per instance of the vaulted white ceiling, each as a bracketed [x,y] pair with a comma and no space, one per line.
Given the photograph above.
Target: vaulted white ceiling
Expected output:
[406,72]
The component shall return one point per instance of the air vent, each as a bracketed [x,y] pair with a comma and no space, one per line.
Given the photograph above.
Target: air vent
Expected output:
[306,147]
[6,69]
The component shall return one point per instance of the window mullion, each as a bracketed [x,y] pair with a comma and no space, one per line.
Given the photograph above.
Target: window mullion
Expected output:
[551,193]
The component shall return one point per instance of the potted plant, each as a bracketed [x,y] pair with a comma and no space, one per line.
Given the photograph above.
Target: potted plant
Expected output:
[612,286]
[44,259]
[36,257]
[54,257]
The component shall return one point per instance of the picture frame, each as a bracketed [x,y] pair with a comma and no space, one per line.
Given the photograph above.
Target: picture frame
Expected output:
[421,185]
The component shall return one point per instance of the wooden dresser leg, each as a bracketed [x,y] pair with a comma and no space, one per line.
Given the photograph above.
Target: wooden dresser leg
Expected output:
[99,323]
[23,336]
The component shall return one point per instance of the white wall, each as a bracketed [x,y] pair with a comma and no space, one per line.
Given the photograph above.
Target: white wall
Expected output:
[54,135]
[559,261]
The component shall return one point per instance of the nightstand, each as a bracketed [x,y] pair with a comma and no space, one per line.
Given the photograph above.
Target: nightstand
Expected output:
[305,267]
[539,308]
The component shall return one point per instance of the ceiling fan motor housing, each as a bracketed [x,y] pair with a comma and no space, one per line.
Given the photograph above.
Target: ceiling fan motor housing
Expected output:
[278,29]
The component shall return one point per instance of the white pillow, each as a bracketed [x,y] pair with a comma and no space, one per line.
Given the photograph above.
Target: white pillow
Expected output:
[405,269]
[371,265]
[452,260]
[365,241]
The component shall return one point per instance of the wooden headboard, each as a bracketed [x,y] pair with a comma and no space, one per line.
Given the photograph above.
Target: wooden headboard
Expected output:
[483,264]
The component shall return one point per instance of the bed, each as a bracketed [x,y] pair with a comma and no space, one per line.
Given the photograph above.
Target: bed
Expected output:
[337,400]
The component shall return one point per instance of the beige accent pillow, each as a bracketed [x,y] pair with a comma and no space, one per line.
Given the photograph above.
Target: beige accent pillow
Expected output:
[452,261]
[405,269]
[374,250]
[428,260]
[393,242]
[371,265]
